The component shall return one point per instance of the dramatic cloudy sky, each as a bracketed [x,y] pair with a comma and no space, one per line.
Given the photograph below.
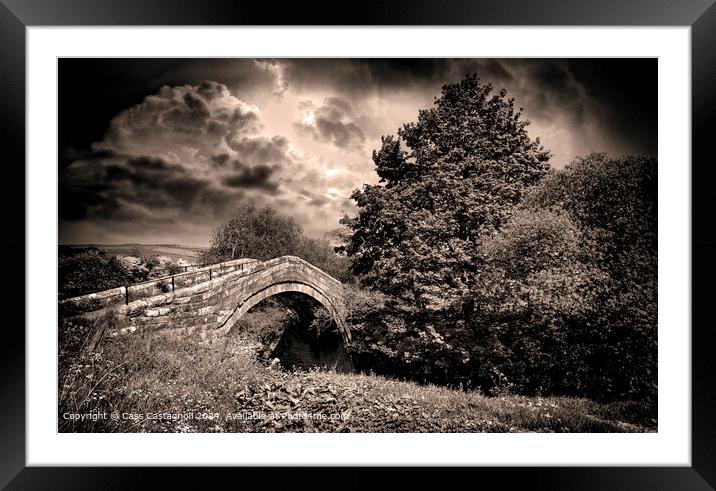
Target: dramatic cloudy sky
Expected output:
[161,151]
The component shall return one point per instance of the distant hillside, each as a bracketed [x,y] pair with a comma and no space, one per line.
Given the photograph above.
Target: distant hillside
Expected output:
[173,251]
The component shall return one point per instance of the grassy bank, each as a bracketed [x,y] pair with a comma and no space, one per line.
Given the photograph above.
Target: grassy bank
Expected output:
[163,384]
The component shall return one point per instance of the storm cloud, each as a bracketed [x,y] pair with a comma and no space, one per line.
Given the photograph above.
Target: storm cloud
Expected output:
[186,156]
[332,122]
[251,177]
[164,150]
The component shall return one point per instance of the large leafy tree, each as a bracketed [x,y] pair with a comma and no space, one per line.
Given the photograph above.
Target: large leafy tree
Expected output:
[258,233]
[444,180]
[263,233]
[496,275]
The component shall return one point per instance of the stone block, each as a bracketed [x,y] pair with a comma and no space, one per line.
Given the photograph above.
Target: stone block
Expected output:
[199,303]
[206,310]
[158,300]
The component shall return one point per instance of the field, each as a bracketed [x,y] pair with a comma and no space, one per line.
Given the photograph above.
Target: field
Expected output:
[194,384]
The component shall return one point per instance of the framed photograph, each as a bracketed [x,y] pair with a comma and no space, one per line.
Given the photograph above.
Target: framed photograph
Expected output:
[467,235]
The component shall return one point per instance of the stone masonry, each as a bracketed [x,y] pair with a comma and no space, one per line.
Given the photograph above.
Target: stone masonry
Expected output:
[212,298]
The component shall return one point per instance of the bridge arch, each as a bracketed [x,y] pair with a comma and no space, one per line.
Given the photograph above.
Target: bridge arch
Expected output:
[212,298]
[289,287]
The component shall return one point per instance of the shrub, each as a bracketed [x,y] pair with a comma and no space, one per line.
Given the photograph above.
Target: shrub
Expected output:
[90,271]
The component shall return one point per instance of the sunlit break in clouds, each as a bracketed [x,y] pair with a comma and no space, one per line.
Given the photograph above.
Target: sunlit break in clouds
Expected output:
[162,151]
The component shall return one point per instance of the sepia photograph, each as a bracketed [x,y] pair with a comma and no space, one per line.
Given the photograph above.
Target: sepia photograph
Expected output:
[358,245]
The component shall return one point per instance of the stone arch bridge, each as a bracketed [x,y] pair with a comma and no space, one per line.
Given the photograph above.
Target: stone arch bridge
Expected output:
[210,299]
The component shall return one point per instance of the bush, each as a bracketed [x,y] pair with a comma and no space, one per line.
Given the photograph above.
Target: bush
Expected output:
[90,271]
[568,291]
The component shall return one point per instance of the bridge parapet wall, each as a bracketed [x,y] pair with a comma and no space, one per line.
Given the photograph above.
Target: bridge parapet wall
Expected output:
[115,297]
[209,301]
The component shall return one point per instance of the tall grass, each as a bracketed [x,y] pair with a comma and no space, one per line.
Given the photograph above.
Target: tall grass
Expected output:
[138,375]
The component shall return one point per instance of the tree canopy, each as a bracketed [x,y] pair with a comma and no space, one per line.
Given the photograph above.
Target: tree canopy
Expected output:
[259,233]
[493,270]
[263,233]
[444,181]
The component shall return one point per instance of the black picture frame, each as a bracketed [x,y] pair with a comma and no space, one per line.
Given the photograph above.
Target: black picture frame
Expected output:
[16,15]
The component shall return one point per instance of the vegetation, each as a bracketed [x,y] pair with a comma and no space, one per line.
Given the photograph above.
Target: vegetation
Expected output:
[86,270]
[494,274]
[221,387]
[471,270]
[263,233]
[89,270]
